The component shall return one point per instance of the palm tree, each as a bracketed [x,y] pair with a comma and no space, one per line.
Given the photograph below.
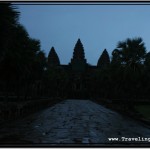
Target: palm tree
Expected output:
[131,54]
[132,51]
[20,56]
[8,21]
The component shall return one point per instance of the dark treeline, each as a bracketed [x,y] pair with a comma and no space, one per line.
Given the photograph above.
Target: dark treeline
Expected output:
[26,73]
[22,62]
[22,68]
[127,75]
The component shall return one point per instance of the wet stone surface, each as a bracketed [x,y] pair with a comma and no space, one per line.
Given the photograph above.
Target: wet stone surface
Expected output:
[73,122]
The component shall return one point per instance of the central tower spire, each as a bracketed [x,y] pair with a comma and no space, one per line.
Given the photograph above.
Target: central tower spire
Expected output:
[78,62]
[78,51]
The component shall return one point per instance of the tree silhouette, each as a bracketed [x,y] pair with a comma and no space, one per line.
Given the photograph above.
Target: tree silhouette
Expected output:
[132,51]
[147,60]
[8,21]
[19,59]
[127,68]
[116,58]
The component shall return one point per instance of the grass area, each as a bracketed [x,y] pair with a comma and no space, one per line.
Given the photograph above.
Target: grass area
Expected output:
[144,110]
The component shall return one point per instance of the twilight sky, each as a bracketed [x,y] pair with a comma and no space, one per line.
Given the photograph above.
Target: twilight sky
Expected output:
[98,27]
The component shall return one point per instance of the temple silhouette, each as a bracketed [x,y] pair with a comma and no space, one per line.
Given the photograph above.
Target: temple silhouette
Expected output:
[78,69]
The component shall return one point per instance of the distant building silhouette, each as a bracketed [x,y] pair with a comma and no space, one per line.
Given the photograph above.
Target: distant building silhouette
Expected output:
[53,59]
[78,68]
[103,60]
[78,62]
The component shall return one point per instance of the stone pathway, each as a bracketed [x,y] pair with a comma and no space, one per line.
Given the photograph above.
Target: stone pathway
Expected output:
[73,122]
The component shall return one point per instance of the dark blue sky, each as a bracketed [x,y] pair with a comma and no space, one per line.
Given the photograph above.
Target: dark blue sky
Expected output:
[98,27]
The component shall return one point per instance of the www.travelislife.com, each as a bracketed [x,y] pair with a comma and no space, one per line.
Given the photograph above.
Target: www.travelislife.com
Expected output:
[127,139]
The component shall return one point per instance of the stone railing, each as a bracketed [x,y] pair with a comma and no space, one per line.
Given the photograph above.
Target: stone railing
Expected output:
[15,110]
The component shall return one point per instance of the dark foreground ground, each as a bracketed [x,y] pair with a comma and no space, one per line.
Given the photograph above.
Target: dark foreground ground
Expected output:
[77,123]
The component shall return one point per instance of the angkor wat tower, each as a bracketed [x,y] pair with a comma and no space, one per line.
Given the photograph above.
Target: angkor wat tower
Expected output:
[78,69]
